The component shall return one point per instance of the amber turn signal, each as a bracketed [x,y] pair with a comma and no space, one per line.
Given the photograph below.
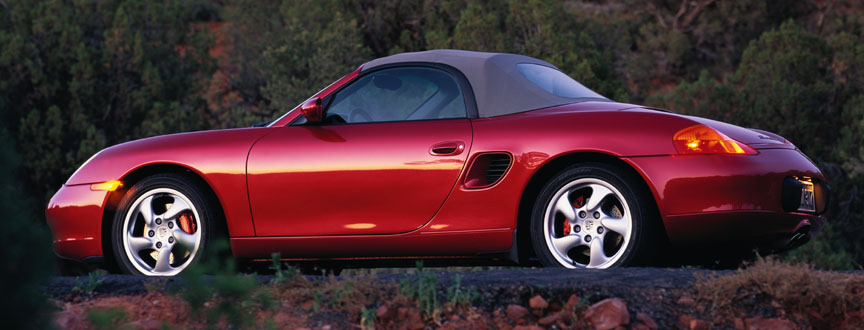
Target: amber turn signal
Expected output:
[107,185]
[701,139]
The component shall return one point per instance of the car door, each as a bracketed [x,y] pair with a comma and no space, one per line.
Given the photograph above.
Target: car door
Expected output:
[390,150]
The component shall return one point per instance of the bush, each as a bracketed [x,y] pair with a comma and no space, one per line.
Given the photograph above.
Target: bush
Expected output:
[825,300]
[25,261]
[217,292]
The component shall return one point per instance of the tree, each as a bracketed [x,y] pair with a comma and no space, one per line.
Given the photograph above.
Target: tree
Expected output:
[782,85]
[83,75]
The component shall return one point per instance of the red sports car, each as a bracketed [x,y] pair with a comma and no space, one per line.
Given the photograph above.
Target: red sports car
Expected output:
[443,153]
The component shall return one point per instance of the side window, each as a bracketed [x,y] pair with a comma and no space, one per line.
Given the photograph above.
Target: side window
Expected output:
[555,82]
[398,94]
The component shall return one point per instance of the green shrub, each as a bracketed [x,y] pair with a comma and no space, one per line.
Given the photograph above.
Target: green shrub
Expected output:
[107,318]
[25,259]
[422,287]
[93,281]
[217,292]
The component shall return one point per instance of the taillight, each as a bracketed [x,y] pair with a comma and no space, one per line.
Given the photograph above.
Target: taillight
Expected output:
[701,139]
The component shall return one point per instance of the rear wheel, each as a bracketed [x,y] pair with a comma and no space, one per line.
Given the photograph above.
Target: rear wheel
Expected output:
[163,225]
[594,216]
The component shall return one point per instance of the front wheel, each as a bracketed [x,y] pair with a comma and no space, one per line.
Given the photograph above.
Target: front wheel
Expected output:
[593,216]
[163,225]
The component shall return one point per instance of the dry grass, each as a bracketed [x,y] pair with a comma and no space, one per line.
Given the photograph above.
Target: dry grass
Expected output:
[819,298]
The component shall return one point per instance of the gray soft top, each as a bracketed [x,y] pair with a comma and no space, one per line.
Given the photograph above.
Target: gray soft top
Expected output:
[499,88]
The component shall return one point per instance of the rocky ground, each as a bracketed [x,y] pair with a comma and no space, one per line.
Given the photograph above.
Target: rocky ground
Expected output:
[635,298]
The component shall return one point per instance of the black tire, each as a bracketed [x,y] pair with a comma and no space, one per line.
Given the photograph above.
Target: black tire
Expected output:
[645,230]
[208,222]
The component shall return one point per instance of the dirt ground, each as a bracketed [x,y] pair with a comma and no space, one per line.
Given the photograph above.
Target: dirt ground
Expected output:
[635,298]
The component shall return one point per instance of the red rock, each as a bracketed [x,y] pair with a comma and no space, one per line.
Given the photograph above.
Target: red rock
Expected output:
[381,312]
[416,325]
[685,300]
[608,314]
[65,319]
[516,312]
[689,322]
[644,322]
[537,302]
[402,313]
[758,323]
[698,325]
[549,319]
[573,301]
[739,323]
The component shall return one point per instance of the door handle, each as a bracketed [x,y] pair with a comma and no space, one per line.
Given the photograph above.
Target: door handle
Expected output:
[449,148]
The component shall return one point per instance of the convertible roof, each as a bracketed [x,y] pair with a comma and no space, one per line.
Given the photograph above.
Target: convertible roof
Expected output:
[499,88]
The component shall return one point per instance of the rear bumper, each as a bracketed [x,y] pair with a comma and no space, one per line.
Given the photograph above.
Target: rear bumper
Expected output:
[774,228]
[705,199]
[74,215]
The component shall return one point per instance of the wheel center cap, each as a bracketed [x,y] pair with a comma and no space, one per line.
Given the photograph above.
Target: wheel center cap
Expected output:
[163,232]
[589,224]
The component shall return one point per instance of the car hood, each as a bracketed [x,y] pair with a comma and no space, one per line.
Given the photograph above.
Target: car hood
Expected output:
[219,150]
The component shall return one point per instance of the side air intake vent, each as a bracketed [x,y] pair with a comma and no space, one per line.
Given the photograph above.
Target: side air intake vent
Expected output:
[498,164]
[487,170]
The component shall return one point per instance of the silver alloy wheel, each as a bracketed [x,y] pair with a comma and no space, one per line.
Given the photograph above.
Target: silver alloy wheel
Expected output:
[155,243]
[604,210]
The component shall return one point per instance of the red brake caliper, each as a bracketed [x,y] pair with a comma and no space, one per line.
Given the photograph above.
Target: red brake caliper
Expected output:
[577,204]
[187,224]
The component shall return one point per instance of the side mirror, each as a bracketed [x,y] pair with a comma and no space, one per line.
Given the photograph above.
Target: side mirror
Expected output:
[312,110]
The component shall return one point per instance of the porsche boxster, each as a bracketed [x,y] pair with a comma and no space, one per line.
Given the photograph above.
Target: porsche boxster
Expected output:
[443,153]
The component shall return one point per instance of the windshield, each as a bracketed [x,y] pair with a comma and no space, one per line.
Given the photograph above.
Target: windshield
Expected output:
[270,123]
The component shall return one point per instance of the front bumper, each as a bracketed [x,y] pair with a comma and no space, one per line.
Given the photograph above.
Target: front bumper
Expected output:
[711,198]
[74,215]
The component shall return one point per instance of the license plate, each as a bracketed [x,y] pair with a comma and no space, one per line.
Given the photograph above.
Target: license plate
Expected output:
[808,202]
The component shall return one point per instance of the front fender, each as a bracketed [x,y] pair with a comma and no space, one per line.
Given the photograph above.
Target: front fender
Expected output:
[218,157]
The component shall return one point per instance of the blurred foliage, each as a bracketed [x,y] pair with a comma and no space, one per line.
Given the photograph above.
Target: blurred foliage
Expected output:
[826,251]
[79,75]
[224,295]
[107,318]
[25,260]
